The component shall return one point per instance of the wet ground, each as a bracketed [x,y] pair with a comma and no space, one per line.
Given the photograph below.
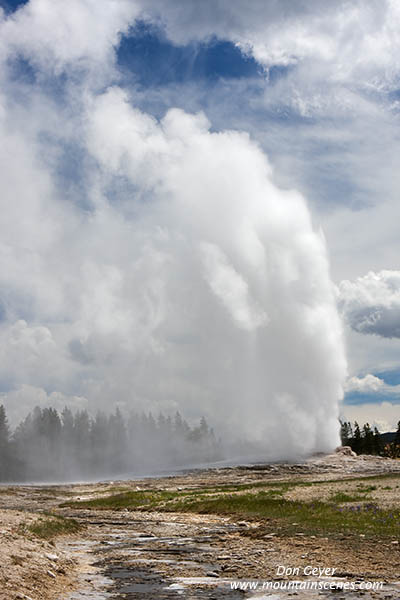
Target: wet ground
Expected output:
[134,560]
[148,559]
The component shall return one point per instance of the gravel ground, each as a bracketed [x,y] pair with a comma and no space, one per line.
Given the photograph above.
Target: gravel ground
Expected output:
[157,555]
[30,567]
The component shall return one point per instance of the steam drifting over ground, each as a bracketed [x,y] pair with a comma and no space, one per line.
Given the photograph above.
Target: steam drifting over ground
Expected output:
[153,264]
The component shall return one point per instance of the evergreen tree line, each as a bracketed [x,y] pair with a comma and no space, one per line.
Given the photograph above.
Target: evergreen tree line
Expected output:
[365,440]
[48,446]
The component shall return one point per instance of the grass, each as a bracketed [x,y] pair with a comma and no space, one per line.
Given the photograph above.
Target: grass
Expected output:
[265,501]
[50,491]
[132,500]
[159,498]
[50,526]
[342,497]
[129,500]
[312,518]
[366,489]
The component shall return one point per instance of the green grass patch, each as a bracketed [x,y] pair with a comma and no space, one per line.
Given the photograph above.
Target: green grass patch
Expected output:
[50,492]
[129,500]
[311,518]
[50,526]
[118,489]
[370,477]
[279,487]
[264,501]
[342,497]
[148,499]
[366,488]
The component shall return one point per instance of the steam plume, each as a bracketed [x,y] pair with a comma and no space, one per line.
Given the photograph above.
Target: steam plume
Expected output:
[173,274]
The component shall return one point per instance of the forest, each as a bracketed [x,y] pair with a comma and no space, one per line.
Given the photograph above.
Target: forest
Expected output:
[49,446]
[367,440]
[52,446]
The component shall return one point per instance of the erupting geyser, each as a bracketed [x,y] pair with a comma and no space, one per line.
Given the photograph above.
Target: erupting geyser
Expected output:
[230,297]
[171,273]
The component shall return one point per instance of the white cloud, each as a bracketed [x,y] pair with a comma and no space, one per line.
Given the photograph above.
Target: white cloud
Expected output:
[371,304]
[384,414]
[370,384]
[367,384]
[55,36]
[22,400]
[345,42]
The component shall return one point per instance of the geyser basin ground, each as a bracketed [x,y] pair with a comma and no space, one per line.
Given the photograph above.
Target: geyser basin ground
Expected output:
[191,536]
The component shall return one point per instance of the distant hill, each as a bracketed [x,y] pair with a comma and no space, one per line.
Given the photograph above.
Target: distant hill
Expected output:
[388,437]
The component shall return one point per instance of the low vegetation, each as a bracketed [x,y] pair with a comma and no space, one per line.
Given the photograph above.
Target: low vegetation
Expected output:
[129,500]
[312,518]
[51,525]
[344,513]
[341,497]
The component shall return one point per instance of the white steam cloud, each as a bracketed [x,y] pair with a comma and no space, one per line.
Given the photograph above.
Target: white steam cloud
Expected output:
[231,288]
[171,273]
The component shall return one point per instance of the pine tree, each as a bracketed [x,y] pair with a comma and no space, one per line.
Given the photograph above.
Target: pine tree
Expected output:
[378,444]
[397,438]
[117,441]
[99,436]
[5,457]
[345,433]
[203,427]
[368,439]
[357,441]
[67,420]
[82,446]
[349,430]
[178,424]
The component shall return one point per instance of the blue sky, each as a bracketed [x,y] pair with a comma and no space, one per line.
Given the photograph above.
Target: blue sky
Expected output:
[311,90]
[10,6]
[152,60]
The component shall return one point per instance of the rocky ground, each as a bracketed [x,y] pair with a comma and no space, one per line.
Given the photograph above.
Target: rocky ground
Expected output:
[155,554]
[31,567]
